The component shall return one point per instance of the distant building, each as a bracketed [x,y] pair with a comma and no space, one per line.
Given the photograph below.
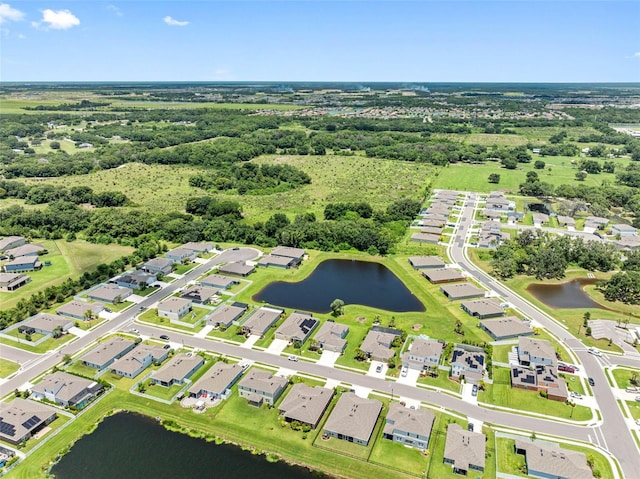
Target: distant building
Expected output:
[623,230]
[106,353]
[29,249]
[9,242]
[80,309]
[136,280]
[535,351]
[44,323]
[377,345]
[468,363]
[199,248]
[277,261]
[422,262]
[425,238]
[22,264]
[506,328]
[219,281]
[239,268]
[110,293]
[462,291]
[483,308]
[181,255]
[162,266]
[199,294]
[443,275]
[137,360]
[13,281]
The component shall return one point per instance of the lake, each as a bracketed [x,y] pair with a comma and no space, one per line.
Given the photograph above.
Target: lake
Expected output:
[565,295]
[354,282]
[131,446]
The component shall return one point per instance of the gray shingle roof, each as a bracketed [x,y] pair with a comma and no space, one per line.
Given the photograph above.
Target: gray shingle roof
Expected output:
[354,416]
[306,404]
[464,447]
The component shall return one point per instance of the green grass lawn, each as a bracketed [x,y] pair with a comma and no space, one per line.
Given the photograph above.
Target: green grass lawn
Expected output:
[80,369]
[622,376]
[151,316]
[43,347]
[501,352]
[7,367]
[161,392]
[634,408]
[508,461]
[500,393]
[398,456]
[442,382]
[184,268]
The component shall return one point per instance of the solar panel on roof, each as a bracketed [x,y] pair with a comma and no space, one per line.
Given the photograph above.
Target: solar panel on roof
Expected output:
[32,421]
[7,429]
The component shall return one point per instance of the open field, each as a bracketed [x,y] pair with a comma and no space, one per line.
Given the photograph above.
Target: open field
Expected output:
[7,367]
[68,260]
[622,376]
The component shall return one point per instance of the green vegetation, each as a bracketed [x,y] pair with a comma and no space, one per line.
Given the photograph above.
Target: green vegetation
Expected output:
[625,378]
[508,461]
[7,367]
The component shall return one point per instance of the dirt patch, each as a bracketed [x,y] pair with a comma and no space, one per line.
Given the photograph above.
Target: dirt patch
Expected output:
[361,319]
[416,327]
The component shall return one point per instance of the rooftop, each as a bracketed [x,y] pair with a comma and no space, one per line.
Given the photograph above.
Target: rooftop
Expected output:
[464,447]
[354,416]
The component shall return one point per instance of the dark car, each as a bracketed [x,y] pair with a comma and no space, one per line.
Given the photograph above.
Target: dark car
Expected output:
[470,426]
[166,346]
[591,382]
[165,337]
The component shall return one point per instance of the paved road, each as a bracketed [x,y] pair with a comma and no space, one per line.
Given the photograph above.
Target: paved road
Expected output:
[17,355]
[44,362]
[613,433]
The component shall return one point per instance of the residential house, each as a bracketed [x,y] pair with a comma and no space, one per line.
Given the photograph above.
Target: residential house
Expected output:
[305,404]
[29,249]
[238,268]
[468,362]
[22,264]
[277,261]
[539,219]
[181,255]
[218,281]
[199,294]
[80,309]
[540,377]
[226,314]
[433,222]
[13,281]
[425,238]
[630,243]
[353,419]
[10,242]
[547,461]
[20,419]
[285,251]
[535,351]
[377,343]
[432,230]
[443,275]
[423,355]
[566,221]
[136,280]
[297,327]
[199,248]
[506,328]
[137,360]
[330,336]
[464,450]
[261,320]
[157,266]
[411,427]
[514,217]
[593,223]
[426,262]
[104,354]
[44,323]
[483,308]
[110,293]
[174,308]
[66,389]
[217,381]
[462,291]
[177,369]
[492,215]
[259,386]
[623,230]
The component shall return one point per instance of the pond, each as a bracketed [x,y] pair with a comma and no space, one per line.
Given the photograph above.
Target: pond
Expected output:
[565,295]
[354,282]
[129,445]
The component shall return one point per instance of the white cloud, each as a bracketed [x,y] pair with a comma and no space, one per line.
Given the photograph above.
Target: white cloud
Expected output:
[57,20]
[172,22]
[115,10]
[9,14]
[636,54]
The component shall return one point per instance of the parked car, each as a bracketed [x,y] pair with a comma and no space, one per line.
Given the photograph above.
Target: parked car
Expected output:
[470,426]
[474,390]
[134,330]
[293,358]
[591,382]
[379,368]
[566,368]
[575,395]
[638,398]
[166,346]
[165,337]
[404,371]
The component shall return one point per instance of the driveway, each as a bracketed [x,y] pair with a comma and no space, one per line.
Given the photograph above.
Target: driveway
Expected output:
[251,340]
[277,346]
[410,379]
[372,369]
[467,394]
[328,358]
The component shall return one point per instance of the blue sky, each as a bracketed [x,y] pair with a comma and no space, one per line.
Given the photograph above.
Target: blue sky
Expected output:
[418,41]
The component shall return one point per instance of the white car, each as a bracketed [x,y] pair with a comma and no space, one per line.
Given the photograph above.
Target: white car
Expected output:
[293,358]
[575,395]
[134,330]
[404,371]
[594,351]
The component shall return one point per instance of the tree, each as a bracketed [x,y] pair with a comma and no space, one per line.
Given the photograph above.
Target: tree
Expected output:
[494,178]
[581,175]
[54,145]
[623,287]
[586,317]
[539,165]
[509,163]
[66,359]
[337,307]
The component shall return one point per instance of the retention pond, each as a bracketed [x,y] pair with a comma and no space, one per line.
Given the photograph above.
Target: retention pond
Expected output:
[565,295]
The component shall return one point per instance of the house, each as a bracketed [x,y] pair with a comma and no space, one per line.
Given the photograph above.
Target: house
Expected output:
[506,328]
[438,210]
[174,308]
[433,222]
[259,386]
[462,291]
[535,351]
[136,280]
[305,404]
[464,450]
[20,419]
[23,263]
[157,266]
[593,223]
[468,362]
[110,293]
[514,217]
[238,268]
[443,275]
[106,353]
[423,354]
[432,230]
[540,377]
[492,215]
[181,255]
[226,314]
[353,419]
[435,217]
[377,343]
[10,242]
[261,320]
[540,219]
[426,262]
[44,323]
[297,327]
[217,381]
[623,230]
[218,281]
[29,249]
[285,251]
[566,221]
[425,238]
[277,261]
[80,309]
[631,243]
[199,248]
[411,427]
[546,461]
[199,294]
[138,359]
[500,204]
[66,389]
[13,281]
[179,368]
[330,336]
[483,308]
